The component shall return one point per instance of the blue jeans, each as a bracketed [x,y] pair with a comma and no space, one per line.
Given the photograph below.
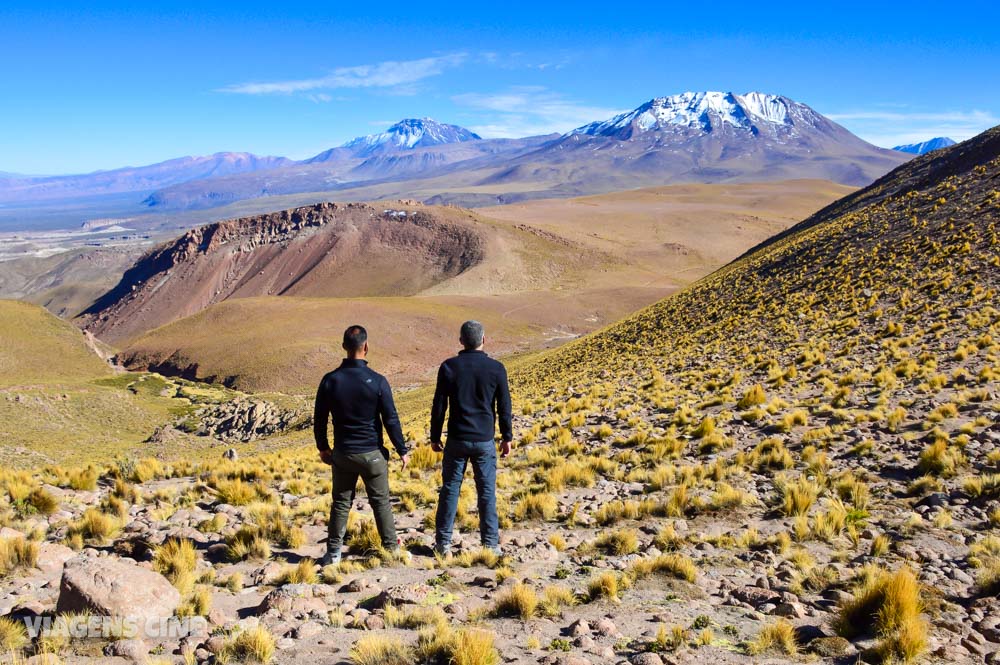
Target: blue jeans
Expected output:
[483,456]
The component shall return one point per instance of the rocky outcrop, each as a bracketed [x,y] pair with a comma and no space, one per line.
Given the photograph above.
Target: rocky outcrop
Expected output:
[244,420]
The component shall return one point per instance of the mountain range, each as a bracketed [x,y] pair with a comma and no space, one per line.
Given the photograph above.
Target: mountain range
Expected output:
[926,146]
[15,187]
[690,137]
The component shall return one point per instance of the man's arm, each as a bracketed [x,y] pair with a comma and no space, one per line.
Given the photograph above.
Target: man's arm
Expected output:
[504,409]
[390,418]
[321,417]
[440,406]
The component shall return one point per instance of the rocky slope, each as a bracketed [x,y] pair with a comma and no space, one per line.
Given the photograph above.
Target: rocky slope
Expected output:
[322,250]
[796,457]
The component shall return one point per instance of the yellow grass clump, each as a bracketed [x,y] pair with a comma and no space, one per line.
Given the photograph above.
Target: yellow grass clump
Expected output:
[380,650]
[778,636]
[176,560]
[519,601]
[253,645]
[889,606]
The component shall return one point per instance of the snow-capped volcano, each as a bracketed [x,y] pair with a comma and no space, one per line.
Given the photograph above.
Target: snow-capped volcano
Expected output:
[753,112]
[410,133]
[702,137]
[926,146]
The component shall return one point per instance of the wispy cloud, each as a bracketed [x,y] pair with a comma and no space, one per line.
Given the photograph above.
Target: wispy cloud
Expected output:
[891,128]
[528,110]
[389,74]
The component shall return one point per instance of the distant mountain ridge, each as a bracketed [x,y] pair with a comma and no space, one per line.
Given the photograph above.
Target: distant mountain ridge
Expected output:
[707,136]
[136,178]
[926,146]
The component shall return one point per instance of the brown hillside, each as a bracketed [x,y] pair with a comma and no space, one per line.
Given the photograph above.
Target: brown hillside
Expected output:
[324,250]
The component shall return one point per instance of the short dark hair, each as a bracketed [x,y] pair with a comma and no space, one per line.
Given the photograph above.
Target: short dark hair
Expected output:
[471,335]
[355,338]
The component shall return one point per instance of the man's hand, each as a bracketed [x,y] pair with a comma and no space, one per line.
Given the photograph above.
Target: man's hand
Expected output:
[505,448]
[437,447]
[406,461]
[326,456]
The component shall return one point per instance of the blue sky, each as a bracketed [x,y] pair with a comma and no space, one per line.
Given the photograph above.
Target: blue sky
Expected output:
[97,85]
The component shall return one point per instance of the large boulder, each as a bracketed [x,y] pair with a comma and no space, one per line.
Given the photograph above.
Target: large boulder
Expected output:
[110,587]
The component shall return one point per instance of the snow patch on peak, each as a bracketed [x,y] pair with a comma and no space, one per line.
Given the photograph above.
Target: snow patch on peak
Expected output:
[768,108]
[926,146]
[412,133]
[702,110]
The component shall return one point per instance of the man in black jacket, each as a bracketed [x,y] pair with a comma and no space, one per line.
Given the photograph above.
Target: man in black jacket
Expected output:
[474,388]
[359,401]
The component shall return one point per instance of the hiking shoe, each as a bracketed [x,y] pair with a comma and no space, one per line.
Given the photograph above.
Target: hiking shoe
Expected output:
[330,559]
[442,550]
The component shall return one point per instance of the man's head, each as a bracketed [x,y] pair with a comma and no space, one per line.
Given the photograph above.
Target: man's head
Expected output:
[471,335]
[356,342]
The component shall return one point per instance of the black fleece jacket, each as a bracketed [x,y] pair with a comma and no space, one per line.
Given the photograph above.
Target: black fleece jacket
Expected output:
[474,387]
[360,402]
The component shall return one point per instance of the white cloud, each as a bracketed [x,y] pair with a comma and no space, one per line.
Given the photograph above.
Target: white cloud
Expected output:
[892,128]
[388,74]
[527,111]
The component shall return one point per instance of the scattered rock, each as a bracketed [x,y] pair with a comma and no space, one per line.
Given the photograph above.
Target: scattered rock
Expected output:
[134,649]
[414,594]
[646,659]
[52,557]
[292,599]
[829,647]
[605,627]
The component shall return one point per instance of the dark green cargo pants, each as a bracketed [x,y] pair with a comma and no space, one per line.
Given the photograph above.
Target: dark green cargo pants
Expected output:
[373,469]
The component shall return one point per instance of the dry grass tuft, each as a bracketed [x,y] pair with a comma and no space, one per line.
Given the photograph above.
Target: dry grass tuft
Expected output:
[619,542]
[675,565]
[474,647]
[778,636]
[13,635]
[17,554]
[253,645]
[176,560]
[605,585]
[536,506]
[887,605]
[380,650]
[519,601]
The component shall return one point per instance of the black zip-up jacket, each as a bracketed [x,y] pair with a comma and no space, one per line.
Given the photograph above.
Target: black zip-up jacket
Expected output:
[474,387]
[359,400]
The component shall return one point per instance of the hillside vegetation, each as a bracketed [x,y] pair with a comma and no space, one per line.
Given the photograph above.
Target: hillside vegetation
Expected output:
[38,347]
[795,458]
[61,403]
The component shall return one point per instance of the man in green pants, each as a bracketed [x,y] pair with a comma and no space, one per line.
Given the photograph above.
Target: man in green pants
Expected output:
[359,401]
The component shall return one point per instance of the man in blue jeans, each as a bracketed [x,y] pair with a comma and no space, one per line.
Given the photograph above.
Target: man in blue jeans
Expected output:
[474,388]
